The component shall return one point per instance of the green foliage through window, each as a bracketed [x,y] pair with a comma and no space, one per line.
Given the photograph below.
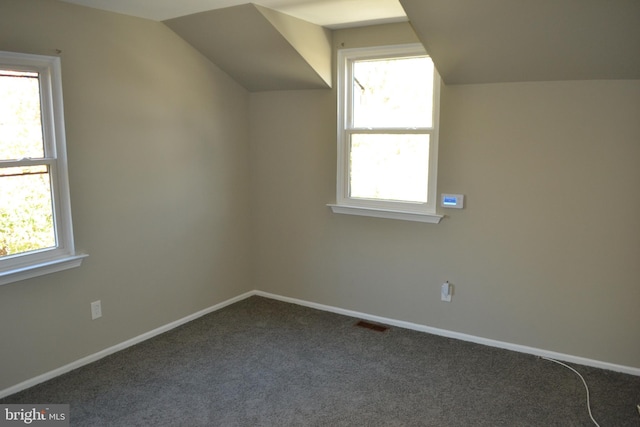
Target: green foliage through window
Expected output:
[26,212]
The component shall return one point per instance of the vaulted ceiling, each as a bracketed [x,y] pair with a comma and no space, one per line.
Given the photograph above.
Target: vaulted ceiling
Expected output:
[286,44]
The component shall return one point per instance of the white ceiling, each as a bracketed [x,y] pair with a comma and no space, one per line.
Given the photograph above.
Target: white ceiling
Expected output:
[328,13]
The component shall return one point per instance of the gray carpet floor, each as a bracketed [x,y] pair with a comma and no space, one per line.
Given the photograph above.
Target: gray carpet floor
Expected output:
[261,362]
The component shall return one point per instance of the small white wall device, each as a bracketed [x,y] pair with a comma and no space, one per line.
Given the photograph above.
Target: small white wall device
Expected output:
[452,201]
[445,292]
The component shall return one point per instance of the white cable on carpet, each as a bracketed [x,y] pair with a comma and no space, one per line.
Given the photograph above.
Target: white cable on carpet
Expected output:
[583,382]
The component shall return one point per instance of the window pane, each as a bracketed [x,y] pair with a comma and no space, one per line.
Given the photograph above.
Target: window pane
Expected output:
[26,213]
[20,122]
[393,93]
[389,167]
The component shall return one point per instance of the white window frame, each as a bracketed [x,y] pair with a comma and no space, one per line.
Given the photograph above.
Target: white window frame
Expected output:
[62,256]
[423,212]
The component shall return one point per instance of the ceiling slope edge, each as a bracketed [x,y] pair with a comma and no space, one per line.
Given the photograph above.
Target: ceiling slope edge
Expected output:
[261,49]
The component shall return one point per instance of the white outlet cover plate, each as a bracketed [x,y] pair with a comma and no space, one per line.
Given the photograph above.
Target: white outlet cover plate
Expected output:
[96,310]
[445,292]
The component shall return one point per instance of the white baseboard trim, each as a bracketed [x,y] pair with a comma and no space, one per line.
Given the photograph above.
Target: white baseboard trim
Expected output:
[113,349]
[399,323]
[459,336]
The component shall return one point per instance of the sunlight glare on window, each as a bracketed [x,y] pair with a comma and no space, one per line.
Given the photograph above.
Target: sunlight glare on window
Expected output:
[393,92]
[20,117]
[390,167]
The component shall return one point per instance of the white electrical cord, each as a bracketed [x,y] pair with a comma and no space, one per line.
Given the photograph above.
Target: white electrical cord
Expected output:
[583,382]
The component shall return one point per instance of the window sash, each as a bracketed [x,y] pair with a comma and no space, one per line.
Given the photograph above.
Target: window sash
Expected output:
[43,253]
[389,166]
[414,51]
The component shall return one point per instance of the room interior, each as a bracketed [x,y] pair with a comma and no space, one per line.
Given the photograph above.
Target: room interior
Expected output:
[202,155]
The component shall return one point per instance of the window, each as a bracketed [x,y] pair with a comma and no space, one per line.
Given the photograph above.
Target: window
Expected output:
[36,235]
[388,105]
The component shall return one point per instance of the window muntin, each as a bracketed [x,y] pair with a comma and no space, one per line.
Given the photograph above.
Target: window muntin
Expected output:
[36,235]
[387,137]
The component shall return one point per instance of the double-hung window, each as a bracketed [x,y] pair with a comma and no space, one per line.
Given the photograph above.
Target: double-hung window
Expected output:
[388,104]
[36,235]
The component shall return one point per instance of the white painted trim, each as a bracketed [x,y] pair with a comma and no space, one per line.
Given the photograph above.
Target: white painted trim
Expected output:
[385,213]
[61,256]
[39,269]
[345,204]
[123,345]
[459,336]
[385,320]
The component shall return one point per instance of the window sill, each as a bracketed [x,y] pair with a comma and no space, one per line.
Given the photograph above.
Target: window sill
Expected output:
[40,269]
[384,213]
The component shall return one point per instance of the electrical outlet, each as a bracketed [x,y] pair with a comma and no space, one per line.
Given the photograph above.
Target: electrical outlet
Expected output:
[96,310]
[445,292]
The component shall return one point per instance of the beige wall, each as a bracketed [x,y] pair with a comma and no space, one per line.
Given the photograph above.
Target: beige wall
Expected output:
[545,253]
[157,141]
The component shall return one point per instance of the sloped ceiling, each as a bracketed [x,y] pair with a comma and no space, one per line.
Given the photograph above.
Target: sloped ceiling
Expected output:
[491,41]
[470,41]
[260,48]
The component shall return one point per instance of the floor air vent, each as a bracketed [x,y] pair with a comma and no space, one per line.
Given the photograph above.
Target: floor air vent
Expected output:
[372,326]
